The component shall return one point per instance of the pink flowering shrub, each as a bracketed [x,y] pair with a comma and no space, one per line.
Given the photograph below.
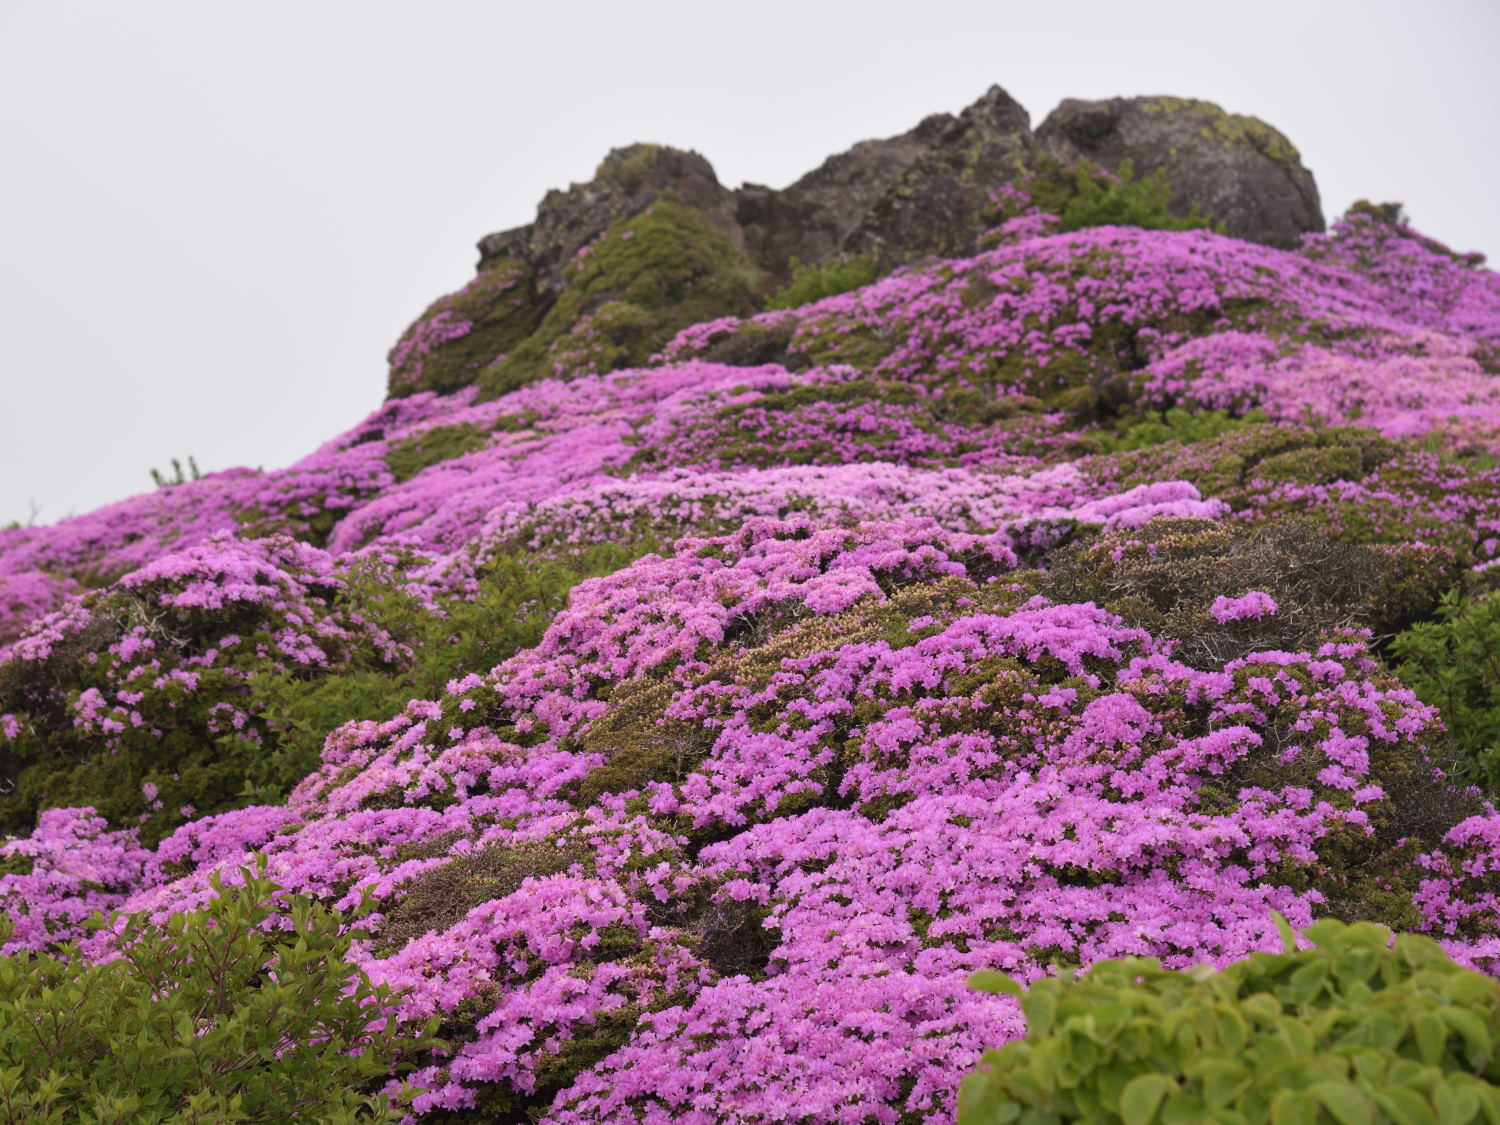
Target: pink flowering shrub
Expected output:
[1252,606]
[694,730]
[71,866]
[897,765]
[146,697]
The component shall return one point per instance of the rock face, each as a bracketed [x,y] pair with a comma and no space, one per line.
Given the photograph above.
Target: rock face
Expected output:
[902,197]
[1238,169]
[922,192]
[934,205]
[919,193]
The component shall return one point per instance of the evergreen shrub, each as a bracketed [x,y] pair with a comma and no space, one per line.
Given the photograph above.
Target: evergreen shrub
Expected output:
[213,1017]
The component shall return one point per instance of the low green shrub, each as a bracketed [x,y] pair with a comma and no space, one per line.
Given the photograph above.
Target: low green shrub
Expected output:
[1082,194]
[517,597]
[1453,663]
[1125,201]
[815,280]
[210,1019]
[1352,1032]
[432,447]
[1147,431]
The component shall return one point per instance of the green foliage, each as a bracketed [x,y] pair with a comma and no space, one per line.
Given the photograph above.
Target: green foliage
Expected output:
[1352,1032]
[1391,214]
[1083,194]
[628,168]
[1176,424]
[161,480]
[627,294]
[814,281]
[1125,202]
[517,597]
[1453,662]
[431,447]
[210,1018]
[496,310]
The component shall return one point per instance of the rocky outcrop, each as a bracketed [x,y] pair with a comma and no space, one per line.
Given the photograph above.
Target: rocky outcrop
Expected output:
[934,205]
[709,251]
[1238,169]
[919,193]
[923,192]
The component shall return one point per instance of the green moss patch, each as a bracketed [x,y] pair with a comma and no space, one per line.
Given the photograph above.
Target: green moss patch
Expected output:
[431,447]
[461,333]
[628,292]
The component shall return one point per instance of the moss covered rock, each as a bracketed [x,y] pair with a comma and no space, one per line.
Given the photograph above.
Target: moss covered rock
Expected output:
[628,292]
[1238,169]
[459,334]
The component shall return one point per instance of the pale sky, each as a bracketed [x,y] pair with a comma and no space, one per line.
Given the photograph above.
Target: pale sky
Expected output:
[216,218]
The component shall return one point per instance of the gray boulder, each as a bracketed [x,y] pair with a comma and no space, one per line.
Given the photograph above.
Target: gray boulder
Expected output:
[933,205]
[1237,169]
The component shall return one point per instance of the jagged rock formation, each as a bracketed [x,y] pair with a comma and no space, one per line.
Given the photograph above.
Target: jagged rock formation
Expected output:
[926,192]
[922,192]
[1238,169]
[919,193]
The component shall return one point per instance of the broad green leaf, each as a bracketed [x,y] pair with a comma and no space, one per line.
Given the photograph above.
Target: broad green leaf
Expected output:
[1293,1107]
[1431,1036]
[1328,933]
[1284,928]
[1040,1006]
[1346,1104]
[1404,1106]
[1455,1105]
[988,980]
[1476,1035]
[1142,1097]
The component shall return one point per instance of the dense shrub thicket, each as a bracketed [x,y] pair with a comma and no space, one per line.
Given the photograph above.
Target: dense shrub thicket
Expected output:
[1454,661]
[1054,195]
[247,1009]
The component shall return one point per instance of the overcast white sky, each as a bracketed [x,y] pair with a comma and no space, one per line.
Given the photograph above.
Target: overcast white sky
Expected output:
[215,218]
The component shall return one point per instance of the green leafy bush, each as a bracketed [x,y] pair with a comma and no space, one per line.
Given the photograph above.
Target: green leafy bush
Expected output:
[1453,663]
[1125,201]
[1353,1032]
[209,1019]
[813,281]
[1176,424]
[517,596]
[432,447]
[1082,194]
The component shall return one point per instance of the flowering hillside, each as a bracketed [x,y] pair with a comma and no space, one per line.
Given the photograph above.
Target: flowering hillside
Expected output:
[695,728]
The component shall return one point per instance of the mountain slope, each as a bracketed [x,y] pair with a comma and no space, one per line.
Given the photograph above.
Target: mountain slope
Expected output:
[698,726]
